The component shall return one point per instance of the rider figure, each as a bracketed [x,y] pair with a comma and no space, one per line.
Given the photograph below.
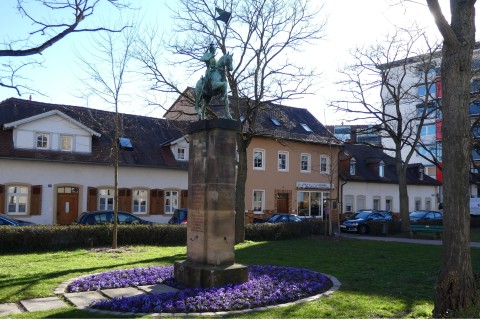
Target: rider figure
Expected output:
[209,59]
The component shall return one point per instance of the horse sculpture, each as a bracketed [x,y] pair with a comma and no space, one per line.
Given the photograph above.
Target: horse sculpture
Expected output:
[213,84]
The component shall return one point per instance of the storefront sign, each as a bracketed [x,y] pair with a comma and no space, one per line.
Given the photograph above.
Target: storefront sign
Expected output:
[314,185]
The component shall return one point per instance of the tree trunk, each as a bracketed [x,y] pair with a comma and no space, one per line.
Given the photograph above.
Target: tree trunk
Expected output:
[240,190]
[455,289]
[403,194]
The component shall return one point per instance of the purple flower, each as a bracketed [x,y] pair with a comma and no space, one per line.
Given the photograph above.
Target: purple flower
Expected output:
[266,285]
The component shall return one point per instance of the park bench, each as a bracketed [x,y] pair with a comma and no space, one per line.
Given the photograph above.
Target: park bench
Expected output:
[414,228]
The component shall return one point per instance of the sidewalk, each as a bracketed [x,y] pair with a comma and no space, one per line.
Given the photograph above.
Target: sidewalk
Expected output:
[404,240]
[79,300]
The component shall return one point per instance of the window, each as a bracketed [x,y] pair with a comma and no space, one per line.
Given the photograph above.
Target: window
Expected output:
[181,154]
[389,204]
[66,143]
[306,127]
[125,143]
[258,201]
[422,90]
[428,204]
[258,159]
[431,108]
[428,130]
[305,162]
[17,199]
[139,201]
[282,161]
[275,122]
[349,203]
[431,151]
[376,203]
[360,202]
[418,204]
[310,203]
[42,141]
[171,201]
[381,169]
[420,172]
[324,164]
[105,199]
[353,164]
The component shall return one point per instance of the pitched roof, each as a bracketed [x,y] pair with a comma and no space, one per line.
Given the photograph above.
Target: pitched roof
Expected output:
[147,135]
[296,124]
[368,157]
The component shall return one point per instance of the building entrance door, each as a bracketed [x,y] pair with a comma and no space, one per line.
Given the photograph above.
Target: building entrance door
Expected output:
[282,203]
[67,205]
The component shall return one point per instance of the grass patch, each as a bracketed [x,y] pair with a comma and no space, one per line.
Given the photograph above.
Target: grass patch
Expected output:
[379,279]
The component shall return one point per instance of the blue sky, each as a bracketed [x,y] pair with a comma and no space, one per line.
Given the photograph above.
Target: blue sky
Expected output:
[350,23]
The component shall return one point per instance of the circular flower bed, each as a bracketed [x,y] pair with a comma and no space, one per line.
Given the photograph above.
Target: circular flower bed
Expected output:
[266,285]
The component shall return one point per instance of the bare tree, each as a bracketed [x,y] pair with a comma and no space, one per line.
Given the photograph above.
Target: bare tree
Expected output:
[390,70]
[65,17]
[261,34]
[456,289]
[107,69]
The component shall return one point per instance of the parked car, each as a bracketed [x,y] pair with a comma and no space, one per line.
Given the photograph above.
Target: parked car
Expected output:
[101,217]
[358,222]
[283,217]
[9,221]
[420,215]
[180,216]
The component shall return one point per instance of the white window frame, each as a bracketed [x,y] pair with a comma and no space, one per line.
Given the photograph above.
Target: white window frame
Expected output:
[324,167]
[389,207]
[256,153]
[349,201]
[171,201]
[106,198]
[66,138]
[283,163]
[44,142]
[139,201]
[181,153]
[308,162]
[376,203]
[353,166]
[17,195]
[381,169]
[361,202]
[258,201]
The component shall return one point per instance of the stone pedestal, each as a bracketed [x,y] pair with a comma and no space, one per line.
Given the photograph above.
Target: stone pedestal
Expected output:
[211,207]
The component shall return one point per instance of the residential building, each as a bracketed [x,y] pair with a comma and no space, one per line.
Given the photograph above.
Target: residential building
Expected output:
[57,161]
[368,180]
[292,161]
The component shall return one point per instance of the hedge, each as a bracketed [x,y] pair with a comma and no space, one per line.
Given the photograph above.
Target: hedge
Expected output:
[45,238]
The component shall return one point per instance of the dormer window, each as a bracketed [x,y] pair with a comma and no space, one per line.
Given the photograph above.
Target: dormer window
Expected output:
[381,169]
[181,153]
[306,127]
[66,143]
[421,171]
[353,164]
[42,141]
[125,143]
[275,122]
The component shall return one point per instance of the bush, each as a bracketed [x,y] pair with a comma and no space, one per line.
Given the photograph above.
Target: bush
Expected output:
[282,231]
[40,238]
[43,238]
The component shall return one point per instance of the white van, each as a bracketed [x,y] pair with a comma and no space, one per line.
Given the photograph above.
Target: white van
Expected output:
[475,206]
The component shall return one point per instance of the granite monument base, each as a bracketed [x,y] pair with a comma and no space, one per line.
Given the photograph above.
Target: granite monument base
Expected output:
[206,276]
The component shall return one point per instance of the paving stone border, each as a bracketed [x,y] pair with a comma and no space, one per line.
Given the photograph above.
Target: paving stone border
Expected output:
[335,286]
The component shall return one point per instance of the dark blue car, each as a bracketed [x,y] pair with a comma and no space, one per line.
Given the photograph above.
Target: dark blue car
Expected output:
[9,221]
[358,221]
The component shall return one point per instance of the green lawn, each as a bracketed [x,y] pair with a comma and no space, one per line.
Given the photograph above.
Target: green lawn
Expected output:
[379,279]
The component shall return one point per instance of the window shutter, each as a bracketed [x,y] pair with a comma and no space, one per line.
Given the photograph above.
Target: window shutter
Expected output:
[92,199]
[2,198]
[125,199]
[184,199]
[156,201]
[36,200]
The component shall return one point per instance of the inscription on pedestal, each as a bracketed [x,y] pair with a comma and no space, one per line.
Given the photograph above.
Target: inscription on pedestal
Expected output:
[196,221]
